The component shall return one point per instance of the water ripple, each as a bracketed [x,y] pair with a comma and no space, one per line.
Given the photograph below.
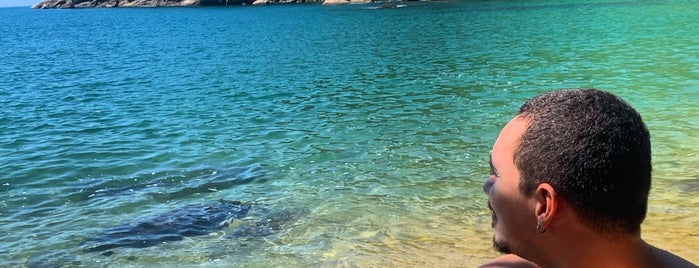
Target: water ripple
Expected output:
[378,121]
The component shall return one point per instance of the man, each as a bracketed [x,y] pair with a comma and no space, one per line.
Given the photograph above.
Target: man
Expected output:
[569,183]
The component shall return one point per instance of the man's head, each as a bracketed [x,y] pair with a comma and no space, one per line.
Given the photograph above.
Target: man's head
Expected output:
[594,149]
[588,147]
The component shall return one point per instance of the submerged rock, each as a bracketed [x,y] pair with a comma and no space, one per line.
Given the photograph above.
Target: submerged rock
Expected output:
[192,220]
[168,186]
[58,258]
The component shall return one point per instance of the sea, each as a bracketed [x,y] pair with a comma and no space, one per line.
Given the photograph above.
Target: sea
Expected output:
[372,126]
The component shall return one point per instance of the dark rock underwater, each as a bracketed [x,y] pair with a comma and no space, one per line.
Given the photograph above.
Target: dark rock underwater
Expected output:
[191,220]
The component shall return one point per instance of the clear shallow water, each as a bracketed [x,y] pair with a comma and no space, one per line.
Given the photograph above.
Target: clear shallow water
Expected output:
[376,123]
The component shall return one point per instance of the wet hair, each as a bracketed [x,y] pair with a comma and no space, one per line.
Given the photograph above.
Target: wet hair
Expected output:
[594,149]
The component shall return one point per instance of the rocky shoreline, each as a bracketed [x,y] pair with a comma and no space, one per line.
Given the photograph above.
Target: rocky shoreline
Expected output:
[67,4]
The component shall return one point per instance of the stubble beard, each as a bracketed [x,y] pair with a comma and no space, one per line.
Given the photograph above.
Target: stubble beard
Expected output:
[501,246]
[498,245]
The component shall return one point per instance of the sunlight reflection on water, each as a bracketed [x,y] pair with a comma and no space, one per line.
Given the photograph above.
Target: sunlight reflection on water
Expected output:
[380,132]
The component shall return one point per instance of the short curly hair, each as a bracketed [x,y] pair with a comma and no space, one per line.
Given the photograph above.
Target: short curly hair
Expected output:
[593,148]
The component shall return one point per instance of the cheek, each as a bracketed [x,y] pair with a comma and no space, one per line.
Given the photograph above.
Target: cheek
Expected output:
[510,208]
[500,197]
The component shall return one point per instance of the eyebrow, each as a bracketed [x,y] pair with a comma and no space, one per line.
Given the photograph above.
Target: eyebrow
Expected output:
[492,167]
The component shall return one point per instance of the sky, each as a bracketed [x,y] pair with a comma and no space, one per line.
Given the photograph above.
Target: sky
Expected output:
[18,3]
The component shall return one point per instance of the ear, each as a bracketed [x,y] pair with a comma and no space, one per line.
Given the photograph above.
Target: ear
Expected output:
[546,204]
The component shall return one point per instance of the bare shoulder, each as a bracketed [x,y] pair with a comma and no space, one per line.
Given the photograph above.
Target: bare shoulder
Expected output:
[666,259]
[508,261]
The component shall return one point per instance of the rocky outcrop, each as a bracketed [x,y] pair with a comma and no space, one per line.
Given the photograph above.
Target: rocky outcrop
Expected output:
[136,3]
[46,4]
[264,2]
[343,2]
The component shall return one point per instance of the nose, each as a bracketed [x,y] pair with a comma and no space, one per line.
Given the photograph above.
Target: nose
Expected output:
[489,184]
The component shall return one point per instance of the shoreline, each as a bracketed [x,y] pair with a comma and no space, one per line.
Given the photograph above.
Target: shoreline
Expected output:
[79,4]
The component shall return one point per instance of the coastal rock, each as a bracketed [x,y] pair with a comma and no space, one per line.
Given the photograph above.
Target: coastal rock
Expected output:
[65,4]
[55,4]
[264,2]
[343,2]
[46,4]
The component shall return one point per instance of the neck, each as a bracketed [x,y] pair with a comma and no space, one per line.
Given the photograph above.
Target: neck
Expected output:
[586,248]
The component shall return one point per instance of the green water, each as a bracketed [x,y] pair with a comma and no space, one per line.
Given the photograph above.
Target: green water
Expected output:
[375,124]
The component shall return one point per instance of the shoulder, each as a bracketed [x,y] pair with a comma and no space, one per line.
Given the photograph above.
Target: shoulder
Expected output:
[509,261]
[666,259]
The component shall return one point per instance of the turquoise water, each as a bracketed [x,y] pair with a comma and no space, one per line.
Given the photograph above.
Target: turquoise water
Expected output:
[376,123]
